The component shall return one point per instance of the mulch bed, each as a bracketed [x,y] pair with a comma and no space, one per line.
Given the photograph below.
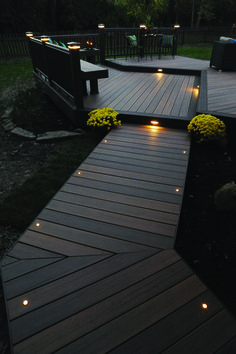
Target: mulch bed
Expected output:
[206,237]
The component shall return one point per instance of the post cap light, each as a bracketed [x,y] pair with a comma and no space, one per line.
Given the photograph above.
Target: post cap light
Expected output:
[44,38]
[101,25]
[142,26]
[176,26]
[29,34]
[73,45]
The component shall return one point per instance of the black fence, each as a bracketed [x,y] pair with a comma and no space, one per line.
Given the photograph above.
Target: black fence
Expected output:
[15,46]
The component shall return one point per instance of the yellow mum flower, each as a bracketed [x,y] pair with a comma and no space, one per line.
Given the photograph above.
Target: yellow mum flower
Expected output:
[207,128]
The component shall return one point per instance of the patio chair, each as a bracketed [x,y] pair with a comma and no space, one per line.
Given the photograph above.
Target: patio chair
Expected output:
[133,47]
[168,44]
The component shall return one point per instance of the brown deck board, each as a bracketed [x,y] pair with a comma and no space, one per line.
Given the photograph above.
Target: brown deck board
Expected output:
[144,92]
[100,272]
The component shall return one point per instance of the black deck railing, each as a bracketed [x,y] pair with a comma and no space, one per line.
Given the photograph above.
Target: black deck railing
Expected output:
[14,46]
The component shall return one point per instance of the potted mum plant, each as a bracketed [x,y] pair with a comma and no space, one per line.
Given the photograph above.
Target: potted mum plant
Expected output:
[103,119]
[207,128]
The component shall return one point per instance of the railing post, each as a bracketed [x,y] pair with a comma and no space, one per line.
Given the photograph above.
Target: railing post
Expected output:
[102,35]
[28,36]
[76,76]
[44,40]
[142,39]
[176,27]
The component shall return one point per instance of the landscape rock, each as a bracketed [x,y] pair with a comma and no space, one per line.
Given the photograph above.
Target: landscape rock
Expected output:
[225,197]
[7,113]
[7,124]
[60,134]
[23,133]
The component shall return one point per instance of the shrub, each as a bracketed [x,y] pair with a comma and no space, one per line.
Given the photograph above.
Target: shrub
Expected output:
[105,118]
[207,128]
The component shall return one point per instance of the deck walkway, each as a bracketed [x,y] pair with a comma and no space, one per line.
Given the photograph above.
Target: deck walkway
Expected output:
[98,266]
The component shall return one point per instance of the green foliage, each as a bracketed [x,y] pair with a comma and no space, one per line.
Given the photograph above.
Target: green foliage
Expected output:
[23,205]
[27,102]
[198,51]
[11,72]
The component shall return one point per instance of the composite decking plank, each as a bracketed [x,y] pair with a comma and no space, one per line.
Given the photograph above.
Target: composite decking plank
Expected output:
[113,218]
[22,267]
[152,92]
[132,299]
[172,98]
[126,174]
[160,94]
[61,246]
[128,182]
[187,98]
[22,251]
[164,333]
[140,89]
[121,198]
[148,149]
[119,232]
[119,208]
[132,191]
[91,239]
[152,142]
[48,274]
[163,159]
[108,335]
[129,83]
[171,90]
[136,168]
[209,337]
[146,273]
[149,162]
[87,276]
[228,347]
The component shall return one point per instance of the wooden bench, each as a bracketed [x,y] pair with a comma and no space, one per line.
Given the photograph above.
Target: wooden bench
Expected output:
[63,76]
[92,73]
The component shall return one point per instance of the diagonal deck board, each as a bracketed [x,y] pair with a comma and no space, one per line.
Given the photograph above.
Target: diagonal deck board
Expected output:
[100,272]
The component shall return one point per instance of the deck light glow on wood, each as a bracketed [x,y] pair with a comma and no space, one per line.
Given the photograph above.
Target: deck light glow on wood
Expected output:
[79,173]
[105,141]
[25,302]
[154,122]
[160,70]
[184,152]
[204,306]
[177,190]
[37,224]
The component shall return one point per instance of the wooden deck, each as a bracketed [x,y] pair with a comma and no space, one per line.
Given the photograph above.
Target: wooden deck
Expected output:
[98,266]
[221,93]
[149,95]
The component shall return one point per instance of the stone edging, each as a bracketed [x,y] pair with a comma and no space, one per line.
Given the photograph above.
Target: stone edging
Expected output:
[10,127]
